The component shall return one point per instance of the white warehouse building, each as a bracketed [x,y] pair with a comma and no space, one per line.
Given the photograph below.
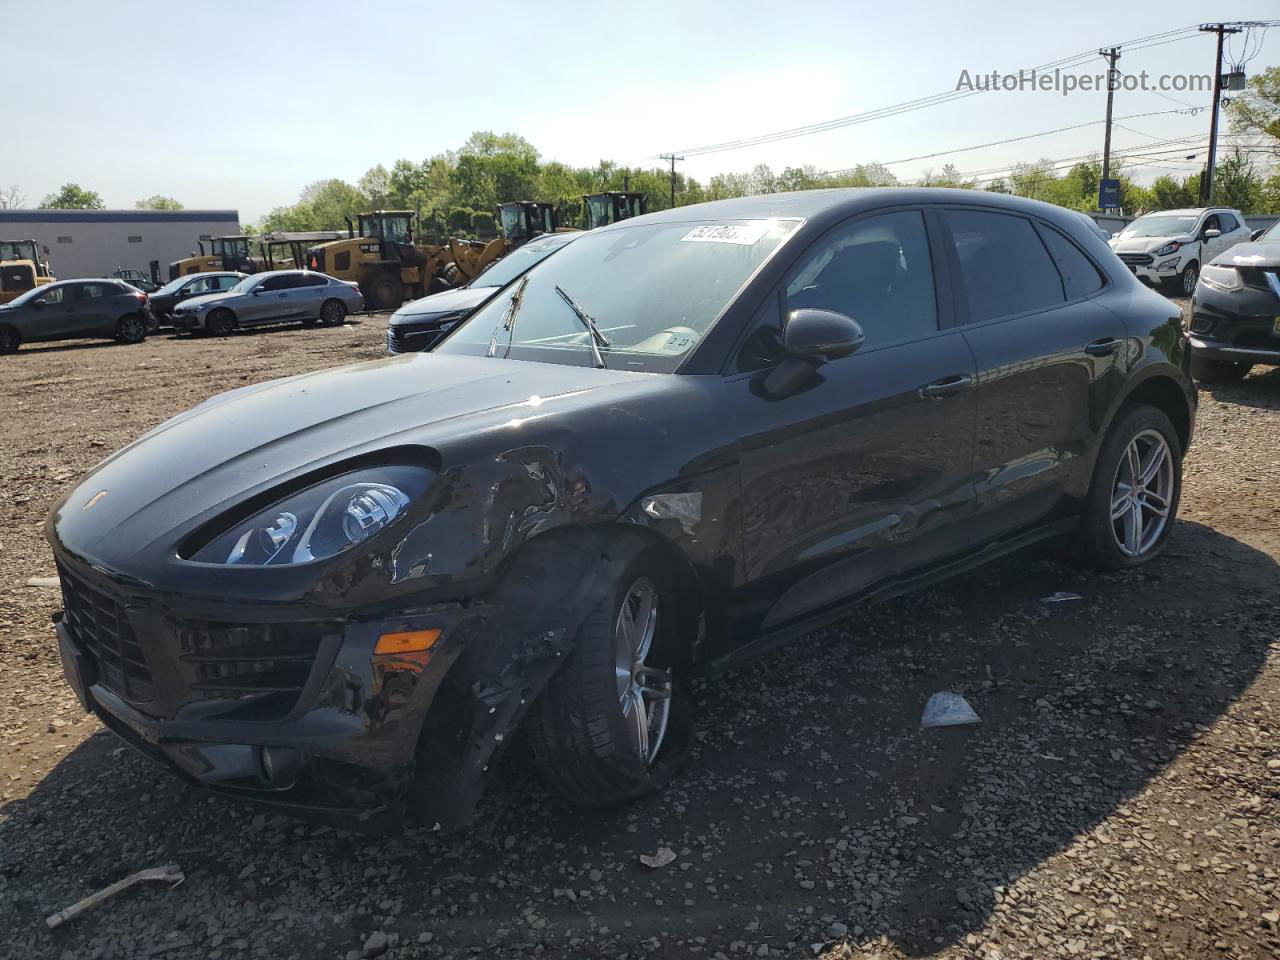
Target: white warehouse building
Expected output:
[93,243]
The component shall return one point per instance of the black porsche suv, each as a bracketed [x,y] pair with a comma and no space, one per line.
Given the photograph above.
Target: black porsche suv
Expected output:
[683,438]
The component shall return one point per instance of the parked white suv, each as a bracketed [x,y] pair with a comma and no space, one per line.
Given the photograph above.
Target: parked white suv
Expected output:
[1167,248]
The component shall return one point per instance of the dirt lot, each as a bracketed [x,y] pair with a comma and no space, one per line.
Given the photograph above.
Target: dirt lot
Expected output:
[1119,798]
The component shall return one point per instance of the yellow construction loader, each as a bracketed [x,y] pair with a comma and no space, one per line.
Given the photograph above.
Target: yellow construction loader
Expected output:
[287,250]
[21,268]
[225,253]
[519,221]
[382,258]
[612,206]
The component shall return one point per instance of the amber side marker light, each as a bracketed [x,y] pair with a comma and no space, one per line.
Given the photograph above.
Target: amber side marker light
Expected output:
[413,641]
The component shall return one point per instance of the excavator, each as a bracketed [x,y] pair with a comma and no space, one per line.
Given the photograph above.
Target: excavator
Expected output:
[612,206]
[383,259]
[225,253]
[21,268]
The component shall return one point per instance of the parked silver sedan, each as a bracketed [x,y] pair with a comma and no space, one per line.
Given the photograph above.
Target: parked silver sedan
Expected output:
[278,296]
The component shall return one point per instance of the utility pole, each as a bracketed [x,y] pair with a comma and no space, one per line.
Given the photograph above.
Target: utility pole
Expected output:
[673,158]
[1111,56]
[1206,182]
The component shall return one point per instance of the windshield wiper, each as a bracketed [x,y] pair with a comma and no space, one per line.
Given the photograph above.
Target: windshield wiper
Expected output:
[597,339]
[508,321]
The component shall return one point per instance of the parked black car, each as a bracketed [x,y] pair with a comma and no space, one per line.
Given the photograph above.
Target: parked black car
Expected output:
[75,309]
[164,300]
[1235,311]
[421,324]
[718,427]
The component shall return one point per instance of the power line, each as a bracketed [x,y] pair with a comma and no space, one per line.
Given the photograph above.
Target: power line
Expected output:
[909,106]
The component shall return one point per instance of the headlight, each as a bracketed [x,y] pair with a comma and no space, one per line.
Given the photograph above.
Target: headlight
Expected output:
[1223,278]
[1170,247]
[320,521]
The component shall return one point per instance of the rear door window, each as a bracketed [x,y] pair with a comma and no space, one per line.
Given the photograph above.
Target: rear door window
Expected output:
[96,291]
[1005,268]
[312,280]
[284,282]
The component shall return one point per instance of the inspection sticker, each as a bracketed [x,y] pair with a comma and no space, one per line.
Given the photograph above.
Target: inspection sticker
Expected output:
[746,233]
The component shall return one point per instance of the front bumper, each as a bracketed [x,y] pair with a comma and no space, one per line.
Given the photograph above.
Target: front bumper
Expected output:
[1236,325]
[302,717]
[1153,270]
[188,322]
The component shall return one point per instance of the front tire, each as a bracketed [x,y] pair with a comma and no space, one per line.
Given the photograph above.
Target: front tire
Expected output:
[1133,499]
[1208,370]
[605,728]
[9,341]
[131,328]
[220,323]
[1184,284]
[333,313]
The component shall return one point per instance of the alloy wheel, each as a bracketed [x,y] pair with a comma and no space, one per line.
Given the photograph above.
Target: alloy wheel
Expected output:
[1189,278]
[644,691]
[1142,493]
[132,330]
[332,313]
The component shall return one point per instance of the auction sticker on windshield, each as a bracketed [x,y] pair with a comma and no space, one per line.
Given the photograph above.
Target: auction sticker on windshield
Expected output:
[744,233]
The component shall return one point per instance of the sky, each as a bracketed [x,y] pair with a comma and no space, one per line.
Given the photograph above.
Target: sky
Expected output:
[241,106]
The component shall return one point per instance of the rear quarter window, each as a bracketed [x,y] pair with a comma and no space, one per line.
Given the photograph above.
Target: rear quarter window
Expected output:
[1079,275]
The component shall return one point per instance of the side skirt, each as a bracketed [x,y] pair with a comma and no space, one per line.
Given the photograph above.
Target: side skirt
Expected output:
[887,590]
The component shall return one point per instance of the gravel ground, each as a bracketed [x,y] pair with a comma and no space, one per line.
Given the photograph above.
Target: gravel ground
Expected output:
[1118,799]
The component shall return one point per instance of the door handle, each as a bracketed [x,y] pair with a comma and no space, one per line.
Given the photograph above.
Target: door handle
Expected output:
[1102,348]
[946,386]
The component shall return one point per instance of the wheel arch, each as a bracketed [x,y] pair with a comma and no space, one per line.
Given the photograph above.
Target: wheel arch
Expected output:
[545,590]
[1165,393]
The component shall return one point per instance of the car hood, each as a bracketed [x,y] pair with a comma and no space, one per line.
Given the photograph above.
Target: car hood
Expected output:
[244,443]
[1252,254]
[450,301]
[1144,244]
[204,298]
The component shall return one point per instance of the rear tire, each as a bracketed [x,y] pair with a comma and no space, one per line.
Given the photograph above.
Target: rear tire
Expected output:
[599,733]
[385,291]
[221,323]
[1207,370]
[333,313]
[131,328]
[1126,524]
[10,340]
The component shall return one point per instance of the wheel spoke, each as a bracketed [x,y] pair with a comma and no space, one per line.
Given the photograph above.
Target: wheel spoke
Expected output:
[637,717]
[1120,502]
[1133,528]
[1155,504]
[1154,462]
[1134,462]
[653,683]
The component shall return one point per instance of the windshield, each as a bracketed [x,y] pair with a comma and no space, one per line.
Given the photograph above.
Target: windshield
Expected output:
[653,288]
[55,293]
[1271,233]
[1160,226]
[173,285]
[501,272]
[244,286]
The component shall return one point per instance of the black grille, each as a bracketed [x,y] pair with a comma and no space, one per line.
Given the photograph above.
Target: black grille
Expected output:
[394,340]
[1136,259]
[1254,277]
[102,626]
[224,661]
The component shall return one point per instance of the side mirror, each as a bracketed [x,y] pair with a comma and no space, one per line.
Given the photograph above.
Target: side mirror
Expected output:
[256,291]
[810,338]
[1256,234]
[1212,233]
[820,335]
